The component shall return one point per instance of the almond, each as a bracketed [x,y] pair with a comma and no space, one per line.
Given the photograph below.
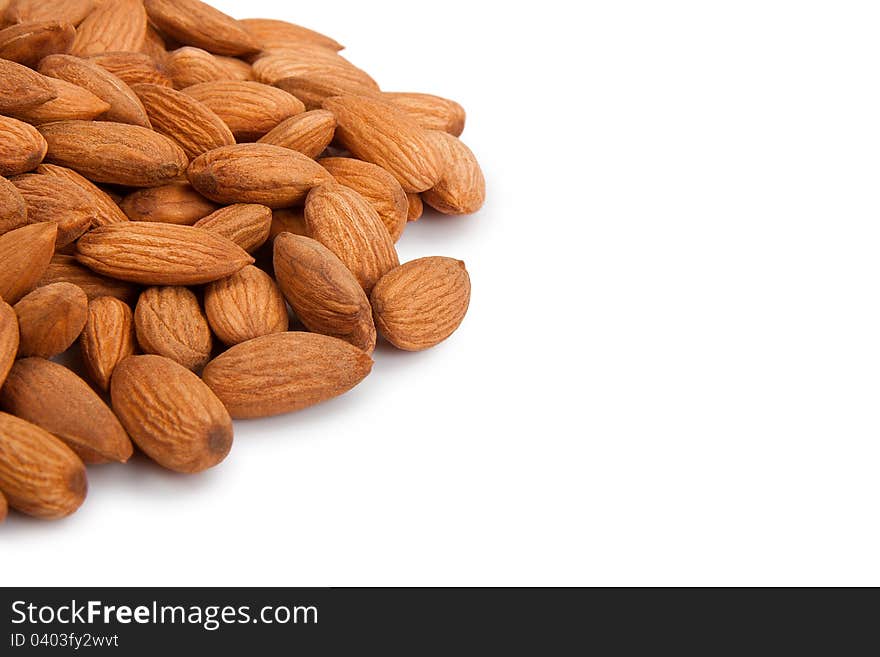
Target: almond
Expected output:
[288,220]
[169,322]
[430,112]
[194,23]
[132,68]
[176,203]
[256,173]
[39,474]
[20,88]
[234,68]
[56,200]
[244,306]
[271,34]
[13,211]
[105,209]
[316,86]
[188,66]
[54,398]
[154,45]
[421,303]
[28,43]
[25,253]
[65,269]
[4,508]
[309,62]
[66,11]
[325,296]
[71,102]
[284,372]
[22,147]
[245,224]
[107,339]
[170,413]
[340,219]
[116,153]
[50,319]
[376,131]
[308,133]
[118,25]
[8,339]
[461,188]
[416,207]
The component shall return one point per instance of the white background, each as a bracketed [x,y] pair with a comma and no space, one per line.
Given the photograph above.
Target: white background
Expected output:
[671,367]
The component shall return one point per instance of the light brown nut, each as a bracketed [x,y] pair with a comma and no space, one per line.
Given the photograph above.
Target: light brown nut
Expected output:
[28,43]
[309,133]
[285,372]
[193,23]
[275,34]
[244,306]
[4,508]
[430,112]
[22,147]
[342,220]
[325,296]
[71,102]
[57,400]
[132,68]
[308,62]
[462,187]
[13,211]
[8,339]
[378,132]
[160,254]
[116,153]
[256,173]
[25,253]
[170,413]
[66,11]
[20,88]
[39,474]
[377,186]
[120,25]
[245,224]
[415,208]
[154,45]
[314,87]
[56,200]
[235,68]
[175,203]
[188,66]
[421,303]
[105,209]
[168,321]
[107,339]
[50,319]
[65,269]
[288,220]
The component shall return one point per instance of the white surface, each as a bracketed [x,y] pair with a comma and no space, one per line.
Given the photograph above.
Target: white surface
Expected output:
[671,367]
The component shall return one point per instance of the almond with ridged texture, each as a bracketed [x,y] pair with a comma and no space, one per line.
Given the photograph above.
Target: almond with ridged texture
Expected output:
[22,147]
[50,319]
[71,102]
[256,173]
[316,86]
[132,68]
[170,413]
[309,62]
[378,132]
[193,23]
[188,66]
[56,200]
[54,398]
[25,253]
[105,209]
[169,321]
[8,339]
[13,211]
[245,306]
[39,475]
[20,88]
[66,11]
[176,203]
[325,296]
[461,188]
[107,339]
[343,221]
[151,253]
[234,68]
[420,304]
[377,186]
[190,123]
[245,224]
[28,43]
[154,45]
[416,207]
[115,153]
[285,372]
[430,112]
[309,133]
[113,26]
[4,508]
[65,269]
[288,220]
[275,34]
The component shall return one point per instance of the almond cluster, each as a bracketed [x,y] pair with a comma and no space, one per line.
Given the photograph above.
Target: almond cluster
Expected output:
[204,211]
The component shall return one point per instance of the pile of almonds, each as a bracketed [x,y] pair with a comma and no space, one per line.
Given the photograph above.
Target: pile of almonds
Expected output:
[179,190]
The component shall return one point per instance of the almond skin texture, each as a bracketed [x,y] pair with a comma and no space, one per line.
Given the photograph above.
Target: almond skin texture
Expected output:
[39,474]
[28,43]
[116,153]
[194,23]
[20,88]
[22,147]
[4,508]
[244,306]
[378,132]
[246,224]
[71,102]
[188,66]
[25,253]
[132,68]
[169,322]
[160,254]
[50,319]
[59,201]
[104,208]
[271,34]
[120,25]
[13,210]
[461,188]
[325,296]
[309,62]
[288,220]
[8,339]
[57,400]
[309,133]
[65,269]
[66,11]
[430,112]
[416,207]
[177,203]
[256,173]
[343,221]
[107,339]
[421,303]
[284,372]
[316,86]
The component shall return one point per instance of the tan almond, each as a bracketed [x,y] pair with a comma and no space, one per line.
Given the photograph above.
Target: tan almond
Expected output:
[25,253]
[66,11]
[154,45]
[176,203]
[188,66]
[308,62]
[288,220]
[56,200]
[270,34]
[325,296]
[13,211]
[316,86]
[430,112]
[132,68]
[106,211]
[28,43]
[21,88]
[4,508]
[50,319]
[65,269]
[169,321]
[71,102]
[22,147]
[421,303]
[245,224]
[416,208]
[8,339]
[119,25]
[462,187]
[309,133]
[194,23]
[235,69]
[170,413]
[107,339]
[245,306]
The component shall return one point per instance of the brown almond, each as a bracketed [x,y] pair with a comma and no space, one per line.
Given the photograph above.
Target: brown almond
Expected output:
[50,319]
[325,296]
[343,221]
[28,43]
[65,269]
[168,321]
[8,339]
[288,220]
[132,68]
[234,68]
[154,45]
[20,88]
[244,306]
[105,209]
[462,187]
[193,23]
[56,200]
[151,395]
[71,102]
[160,254]
[188,66]
[245,224]
[54,398]
[421,303]
[284,372]
[316,86]
[39,474]
[416,208]
[13,211]
[256,173]
[309,62]
[4,508]
[22,147]
[66,11]
[430,112]
[111,27]
[116,153]
[176,203]
[107,339]
[25,253]
[271,34]
[309,133]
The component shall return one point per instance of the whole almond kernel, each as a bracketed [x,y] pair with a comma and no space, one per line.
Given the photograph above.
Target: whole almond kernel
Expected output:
[310,62]
[234,68]
[169,322]
[175,203]
[4,508]
[71,102]
[39,474]
[188,66]
[28,43]
[421,303]
[107,339]
[461,188]
[170,413]
[270,33]
[13,210]
[284,372]
[246,224]
[309,133]
[56,200]
[194,23]
[8,339]
[415,208]
[132,68]
[245,306]
[22,147]
[325,296]
[66,11]
[65,269]
[120,25]
[314,87]
[288,220]
[57,400]
[20,88]
[50,319]
[105,209]
[154,45]
[25,253]
[430,112]
[151,253]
